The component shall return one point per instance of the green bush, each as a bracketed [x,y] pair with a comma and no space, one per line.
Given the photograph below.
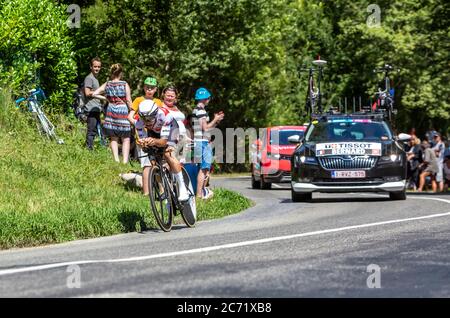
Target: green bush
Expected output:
[36,49]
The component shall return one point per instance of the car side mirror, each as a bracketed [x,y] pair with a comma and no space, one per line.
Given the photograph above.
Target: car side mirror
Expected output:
[403,137]
[295,139]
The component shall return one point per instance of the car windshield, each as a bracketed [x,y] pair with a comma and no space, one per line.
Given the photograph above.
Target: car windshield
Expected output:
[280,137]
[348,130]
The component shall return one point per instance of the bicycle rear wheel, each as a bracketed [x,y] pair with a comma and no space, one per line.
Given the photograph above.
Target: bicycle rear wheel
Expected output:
[160,199]
[189,208]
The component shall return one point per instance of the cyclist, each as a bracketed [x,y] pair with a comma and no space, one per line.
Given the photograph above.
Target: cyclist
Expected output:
[160,129]
[150,88]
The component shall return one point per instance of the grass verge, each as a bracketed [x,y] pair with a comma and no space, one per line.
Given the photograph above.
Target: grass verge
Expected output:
[52,193]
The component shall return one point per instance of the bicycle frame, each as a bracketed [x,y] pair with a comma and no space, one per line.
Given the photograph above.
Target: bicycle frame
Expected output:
[314,95]
[161,162]
[385,98]
[45,126]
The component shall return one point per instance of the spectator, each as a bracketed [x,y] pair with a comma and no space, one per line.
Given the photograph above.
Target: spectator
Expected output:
[429,166]
[93,106]
[170,95]
[413,133]
[447,173]
[116,125]
[150,88]
[189,164]
[202,138]
[414,156]
[439,149]
[429,136]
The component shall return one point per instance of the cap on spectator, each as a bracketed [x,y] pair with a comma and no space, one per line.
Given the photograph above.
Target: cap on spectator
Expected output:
[436,134]
[151,81]
[202,93]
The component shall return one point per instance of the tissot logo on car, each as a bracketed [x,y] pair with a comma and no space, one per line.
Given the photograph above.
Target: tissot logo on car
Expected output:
[359,148]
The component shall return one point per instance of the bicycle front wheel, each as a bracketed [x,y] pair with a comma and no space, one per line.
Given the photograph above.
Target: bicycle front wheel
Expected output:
[160,199]
[188,208]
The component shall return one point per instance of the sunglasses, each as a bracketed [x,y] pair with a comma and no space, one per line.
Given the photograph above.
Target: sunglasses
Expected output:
[149,88]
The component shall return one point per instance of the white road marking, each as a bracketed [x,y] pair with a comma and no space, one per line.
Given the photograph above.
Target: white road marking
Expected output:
[226,246]
[424,198]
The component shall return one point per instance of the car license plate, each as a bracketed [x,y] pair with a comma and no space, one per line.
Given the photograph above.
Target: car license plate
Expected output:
[348,174]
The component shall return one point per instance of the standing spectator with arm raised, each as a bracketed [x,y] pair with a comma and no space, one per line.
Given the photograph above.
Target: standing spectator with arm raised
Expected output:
[202,148]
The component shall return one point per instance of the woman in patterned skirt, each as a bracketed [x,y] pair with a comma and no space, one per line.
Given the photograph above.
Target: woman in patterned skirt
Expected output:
[116,125]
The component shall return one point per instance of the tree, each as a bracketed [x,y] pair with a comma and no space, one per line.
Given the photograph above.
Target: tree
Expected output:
[413,36]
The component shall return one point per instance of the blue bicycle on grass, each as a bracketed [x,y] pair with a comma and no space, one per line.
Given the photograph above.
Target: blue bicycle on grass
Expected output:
[34,103]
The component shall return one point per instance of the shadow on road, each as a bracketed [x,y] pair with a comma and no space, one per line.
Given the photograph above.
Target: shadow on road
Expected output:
[272,189]
[339,200]
[175,227]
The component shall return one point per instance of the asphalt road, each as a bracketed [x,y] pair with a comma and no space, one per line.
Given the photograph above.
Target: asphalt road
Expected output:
[339,245]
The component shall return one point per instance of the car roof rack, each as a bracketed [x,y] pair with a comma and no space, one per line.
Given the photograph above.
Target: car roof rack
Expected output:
[374,116]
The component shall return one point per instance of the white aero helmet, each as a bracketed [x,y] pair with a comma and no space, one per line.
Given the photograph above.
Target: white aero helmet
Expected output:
[148,109]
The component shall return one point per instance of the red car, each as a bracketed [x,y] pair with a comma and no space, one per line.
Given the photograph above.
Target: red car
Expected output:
[271,156]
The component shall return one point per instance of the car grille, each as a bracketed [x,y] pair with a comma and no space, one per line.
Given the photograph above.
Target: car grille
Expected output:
[352,162]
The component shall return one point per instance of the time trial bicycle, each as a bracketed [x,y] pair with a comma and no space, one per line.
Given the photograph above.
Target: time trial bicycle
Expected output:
[384,98]
[314,95]
[164,192]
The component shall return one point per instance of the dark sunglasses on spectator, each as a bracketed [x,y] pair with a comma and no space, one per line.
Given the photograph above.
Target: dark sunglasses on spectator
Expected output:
[150,87]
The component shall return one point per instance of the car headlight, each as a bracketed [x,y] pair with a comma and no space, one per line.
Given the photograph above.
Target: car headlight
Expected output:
[391,158]
[306,160]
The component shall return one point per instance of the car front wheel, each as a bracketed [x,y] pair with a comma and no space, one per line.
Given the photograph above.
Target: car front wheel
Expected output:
[255,184]
[265,185]
[401,195]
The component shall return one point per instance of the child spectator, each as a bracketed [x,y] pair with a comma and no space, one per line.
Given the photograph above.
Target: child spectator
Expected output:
[150,88]
[202,138]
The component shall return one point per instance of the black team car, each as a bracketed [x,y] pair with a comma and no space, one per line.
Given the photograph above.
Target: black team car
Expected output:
[349,153]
